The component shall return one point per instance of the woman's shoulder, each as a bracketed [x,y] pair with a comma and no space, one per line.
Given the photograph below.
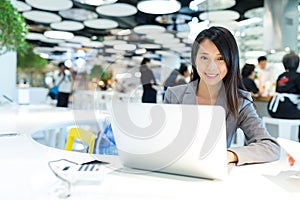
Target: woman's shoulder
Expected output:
[179,89]
[176,93]
[244,97]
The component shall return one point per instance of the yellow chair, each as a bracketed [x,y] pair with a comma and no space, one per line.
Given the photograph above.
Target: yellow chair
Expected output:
[83,135]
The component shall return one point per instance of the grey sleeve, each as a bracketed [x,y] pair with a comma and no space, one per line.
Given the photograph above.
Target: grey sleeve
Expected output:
[260,145]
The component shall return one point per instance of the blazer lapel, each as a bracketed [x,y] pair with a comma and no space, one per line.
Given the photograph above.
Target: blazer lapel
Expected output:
[189,96]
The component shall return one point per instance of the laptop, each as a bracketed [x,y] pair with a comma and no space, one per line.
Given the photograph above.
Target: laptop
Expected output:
[290,146]
[187,140]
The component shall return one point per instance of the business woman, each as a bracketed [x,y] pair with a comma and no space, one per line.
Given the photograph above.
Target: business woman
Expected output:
[215,79]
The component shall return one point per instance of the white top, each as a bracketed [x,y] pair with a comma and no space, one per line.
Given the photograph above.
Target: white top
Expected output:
[65,82]
[266,75]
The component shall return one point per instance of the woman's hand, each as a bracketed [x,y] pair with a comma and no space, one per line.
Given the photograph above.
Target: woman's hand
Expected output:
[290,159]
[231,157]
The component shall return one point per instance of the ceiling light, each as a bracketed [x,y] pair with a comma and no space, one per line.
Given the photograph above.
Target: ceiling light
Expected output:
[53,5]
[41,16]
[67,25]
[101,23]
[96,2]
[124,32]
[255,54]
[204,5]
[44,55]
[146,29]
[220,15]
[117,10]
[125,47]
[62,35]
[194,4]
[159,6]
[21,6]
[140,51]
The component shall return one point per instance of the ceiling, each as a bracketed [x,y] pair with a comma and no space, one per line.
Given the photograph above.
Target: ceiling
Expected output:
[99,40]
[140,18]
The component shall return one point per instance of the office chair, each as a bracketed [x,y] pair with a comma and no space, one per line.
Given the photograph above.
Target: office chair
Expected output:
[83,135]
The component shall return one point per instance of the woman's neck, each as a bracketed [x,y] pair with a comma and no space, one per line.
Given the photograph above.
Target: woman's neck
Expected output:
[207,95]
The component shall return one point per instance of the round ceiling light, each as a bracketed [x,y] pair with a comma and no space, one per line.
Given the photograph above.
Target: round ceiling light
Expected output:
[67,25]
[117,10]
[125,47]
[159,6]
[146,29]
[101,23]
[34,36]
[79,39]
[96,2]
[93,44]
[220,15]
[41,16]
[149,46]
[255,12]
[78,14]
[61,35]
[205,5]
[21,6]
[53,5]
[113,42]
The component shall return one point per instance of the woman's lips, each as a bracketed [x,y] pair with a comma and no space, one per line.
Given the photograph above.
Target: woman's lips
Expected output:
[211,76]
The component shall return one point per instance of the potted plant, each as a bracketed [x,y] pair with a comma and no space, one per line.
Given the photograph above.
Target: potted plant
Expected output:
[13,29]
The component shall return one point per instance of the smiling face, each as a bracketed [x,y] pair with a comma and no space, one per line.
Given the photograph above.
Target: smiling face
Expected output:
[210,64]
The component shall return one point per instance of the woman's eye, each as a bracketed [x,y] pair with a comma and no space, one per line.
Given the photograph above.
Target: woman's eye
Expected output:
[220,58]
[203,57]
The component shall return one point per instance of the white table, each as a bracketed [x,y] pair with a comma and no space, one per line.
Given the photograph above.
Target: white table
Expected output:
[25,174]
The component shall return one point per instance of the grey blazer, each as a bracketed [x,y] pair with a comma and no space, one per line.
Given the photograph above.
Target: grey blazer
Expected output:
[260,146]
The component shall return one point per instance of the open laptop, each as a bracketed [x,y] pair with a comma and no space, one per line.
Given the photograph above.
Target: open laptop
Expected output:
[180,139]
[290,146]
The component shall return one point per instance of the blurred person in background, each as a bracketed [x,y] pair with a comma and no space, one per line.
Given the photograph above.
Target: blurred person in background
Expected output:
[248,76]
[285,103]
[63,78]
[265,75]
[148,81]
[177,77]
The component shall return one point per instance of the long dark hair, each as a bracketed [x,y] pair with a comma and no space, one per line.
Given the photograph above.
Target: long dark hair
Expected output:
[228,48]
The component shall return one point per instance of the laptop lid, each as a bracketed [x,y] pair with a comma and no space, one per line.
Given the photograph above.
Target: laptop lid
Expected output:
[290,146]
[173,138]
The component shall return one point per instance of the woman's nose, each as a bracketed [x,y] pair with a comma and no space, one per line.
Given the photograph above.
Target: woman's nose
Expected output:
[212,64]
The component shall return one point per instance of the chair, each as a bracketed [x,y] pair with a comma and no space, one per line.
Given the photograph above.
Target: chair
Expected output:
[284,126]
[83,135]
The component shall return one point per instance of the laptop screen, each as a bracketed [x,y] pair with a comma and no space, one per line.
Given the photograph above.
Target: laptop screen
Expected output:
[179,139]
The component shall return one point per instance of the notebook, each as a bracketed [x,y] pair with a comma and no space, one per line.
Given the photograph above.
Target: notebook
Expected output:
[187,140]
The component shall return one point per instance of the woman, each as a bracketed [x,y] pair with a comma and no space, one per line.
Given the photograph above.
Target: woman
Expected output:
[147,79]
[248,80]
[215,80]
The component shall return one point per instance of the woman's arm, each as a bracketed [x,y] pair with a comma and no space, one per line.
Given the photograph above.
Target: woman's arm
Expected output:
[260,145]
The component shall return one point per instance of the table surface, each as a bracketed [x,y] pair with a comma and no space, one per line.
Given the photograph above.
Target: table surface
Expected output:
[25,173]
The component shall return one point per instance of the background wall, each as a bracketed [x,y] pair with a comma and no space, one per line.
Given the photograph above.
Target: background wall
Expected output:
[8,67]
